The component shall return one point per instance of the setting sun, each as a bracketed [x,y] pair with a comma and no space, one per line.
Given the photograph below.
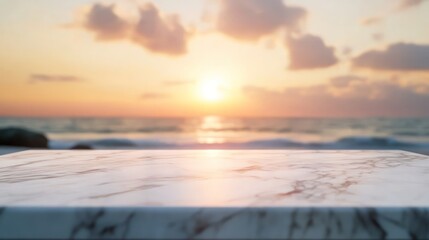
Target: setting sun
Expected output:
[210,89]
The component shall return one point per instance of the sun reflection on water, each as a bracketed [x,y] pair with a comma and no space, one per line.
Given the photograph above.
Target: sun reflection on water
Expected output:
[208,133]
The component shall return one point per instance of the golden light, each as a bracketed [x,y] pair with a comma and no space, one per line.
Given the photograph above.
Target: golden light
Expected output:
[211,89]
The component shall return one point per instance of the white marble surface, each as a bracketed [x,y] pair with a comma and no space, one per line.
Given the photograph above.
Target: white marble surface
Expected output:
[214,178]
[215,194]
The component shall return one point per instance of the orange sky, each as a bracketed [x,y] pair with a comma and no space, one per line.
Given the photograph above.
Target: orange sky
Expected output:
[214,57]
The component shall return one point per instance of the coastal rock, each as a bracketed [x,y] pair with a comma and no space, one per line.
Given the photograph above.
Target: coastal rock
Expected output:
[22,138]
[81,146]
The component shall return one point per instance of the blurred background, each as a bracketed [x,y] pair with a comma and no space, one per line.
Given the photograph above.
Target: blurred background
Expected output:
[214,74]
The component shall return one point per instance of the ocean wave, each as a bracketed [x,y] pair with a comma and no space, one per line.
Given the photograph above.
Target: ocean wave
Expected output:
[251,129]
[110,143]
[172,129]
[371,142]
[353,142]
[407,133]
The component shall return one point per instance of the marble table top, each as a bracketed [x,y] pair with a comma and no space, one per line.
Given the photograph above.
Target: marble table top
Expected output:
[214,178]
[195,192]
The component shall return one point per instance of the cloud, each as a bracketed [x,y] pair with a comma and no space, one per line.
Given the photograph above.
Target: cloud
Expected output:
[154,31]
[407,4]
[160,34]
[53,78]
[398,56]
[105,23]
[345,80]
[401,5]
[377,36]
[308,52]
[371,21]
[347,51]
[178,82]
[359,98]
[253,19]
[153,95]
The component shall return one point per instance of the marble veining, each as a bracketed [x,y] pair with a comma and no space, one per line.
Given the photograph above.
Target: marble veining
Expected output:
[214,194]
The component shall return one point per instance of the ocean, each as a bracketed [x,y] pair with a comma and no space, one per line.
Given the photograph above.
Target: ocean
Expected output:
[213,132]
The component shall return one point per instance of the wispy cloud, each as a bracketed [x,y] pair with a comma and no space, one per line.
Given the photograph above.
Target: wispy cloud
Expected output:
[371,21]
[154,95]
[178,82]
[401,5]
[53,78]
[377,36]
[345,80]
[407,4]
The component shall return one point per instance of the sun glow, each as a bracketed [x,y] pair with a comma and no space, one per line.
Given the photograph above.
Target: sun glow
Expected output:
[211,89]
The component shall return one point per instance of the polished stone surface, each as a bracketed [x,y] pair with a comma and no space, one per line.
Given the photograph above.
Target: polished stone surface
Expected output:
[176,194]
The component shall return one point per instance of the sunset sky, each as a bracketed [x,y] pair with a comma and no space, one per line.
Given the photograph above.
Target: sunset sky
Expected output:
[214,57]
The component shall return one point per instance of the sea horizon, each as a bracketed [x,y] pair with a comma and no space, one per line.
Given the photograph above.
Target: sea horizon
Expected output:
[214,132]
